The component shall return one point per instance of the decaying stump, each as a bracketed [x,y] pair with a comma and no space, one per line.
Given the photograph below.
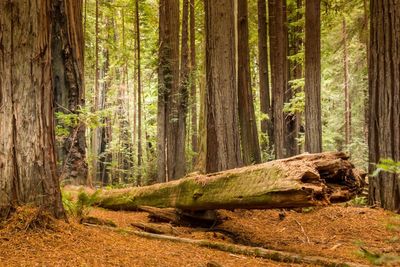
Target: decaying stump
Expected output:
[301,181]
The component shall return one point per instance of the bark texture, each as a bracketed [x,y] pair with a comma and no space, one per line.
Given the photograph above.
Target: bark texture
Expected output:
[223,143]
[384,100]
[168,79]
[302,181]
[67,70]
[313,133]
[248,125]
[28,171]
[279,71]
[193,69]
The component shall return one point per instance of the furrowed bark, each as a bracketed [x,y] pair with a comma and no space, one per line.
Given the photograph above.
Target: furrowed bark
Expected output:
[302,181]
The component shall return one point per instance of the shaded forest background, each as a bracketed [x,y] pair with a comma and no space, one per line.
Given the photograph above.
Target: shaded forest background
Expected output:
[120,111]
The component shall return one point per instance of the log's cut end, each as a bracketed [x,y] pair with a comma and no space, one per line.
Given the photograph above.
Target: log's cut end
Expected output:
[301,181]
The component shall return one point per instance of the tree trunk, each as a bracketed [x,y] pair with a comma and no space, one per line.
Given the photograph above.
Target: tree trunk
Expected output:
[267,140]
[347,103]
[67,69]
[139,88]
[291,130]
[302,181]
[193,70]
[223,143]
[168,79]
[278,52]
[27,155]
[384,100]
[247,118]
[313,134]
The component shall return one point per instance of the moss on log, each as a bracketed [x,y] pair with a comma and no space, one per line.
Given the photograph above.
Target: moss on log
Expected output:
[301,181]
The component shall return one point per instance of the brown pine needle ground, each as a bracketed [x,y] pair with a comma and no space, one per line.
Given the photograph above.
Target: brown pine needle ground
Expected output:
[334,232]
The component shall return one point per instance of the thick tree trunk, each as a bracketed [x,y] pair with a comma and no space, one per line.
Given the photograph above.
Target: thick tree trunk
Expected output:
[267,140]
[67,69]
[247,118]
[223,143]
[168,79]
[279,71]
[302,181]
[313,135]
[384,100]
[27,155]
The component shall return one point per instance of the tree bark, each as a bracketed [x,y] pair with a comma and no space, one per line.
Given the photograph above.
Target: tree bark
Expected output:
[168,79]
[247,118]
[67,69]
[302,181]
[27,150]
[267,140]
[279,71]
[193,77]
[384,100]
[223,143]
[313,133]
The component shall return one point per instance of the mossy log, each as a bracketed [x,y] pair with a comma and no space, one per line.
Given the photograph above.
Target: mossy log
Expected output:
[301,181]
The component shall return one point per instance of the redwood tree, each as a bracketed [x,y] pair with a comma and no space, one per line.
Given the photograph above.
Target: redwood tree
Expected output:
[279,70]
[223,143]
[313,134]
[384,100]
[168,79]
[67,69]
[28,172]
[248,126]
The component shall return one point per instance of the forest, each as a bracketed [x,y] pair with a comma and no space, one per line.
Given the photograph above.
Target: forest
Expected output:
[199,133]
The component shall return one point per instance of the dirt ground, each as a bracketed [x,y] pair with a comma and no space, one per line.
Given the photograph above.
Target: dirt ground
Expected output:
[335,232]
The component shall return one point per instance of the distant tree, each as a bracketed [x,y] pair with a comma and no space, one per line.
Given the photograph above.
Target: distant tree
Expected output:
[384,101]
[28,171]
[139,89]
[279,70]
[193,67]
[247,118]
[313,133]
[223,143]
[267,140]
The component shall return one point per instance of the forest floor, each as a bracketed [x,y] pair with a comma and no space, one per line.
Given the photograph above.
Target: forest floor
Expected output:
[336,232]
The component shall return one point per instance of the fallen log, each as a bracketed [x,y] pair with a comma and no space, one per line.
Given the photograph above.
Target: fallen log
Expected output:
[301,181]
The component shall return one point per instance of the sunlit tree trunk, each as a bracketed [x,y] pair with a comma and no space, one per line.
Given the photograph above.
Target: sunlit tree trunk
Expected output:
[139,88]
[313,134]
[384,100]
[248,124]
[28,171]
[223,143]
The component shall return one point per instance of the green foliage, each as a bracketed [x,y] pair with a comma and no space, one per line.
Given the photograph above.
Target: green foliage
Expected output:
[387,165]
[81,206]
[358,201]
[379,258]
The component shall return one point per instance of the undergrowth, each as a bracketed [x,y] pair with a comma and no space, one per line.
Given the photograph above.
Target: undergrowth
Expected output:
[81,206]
